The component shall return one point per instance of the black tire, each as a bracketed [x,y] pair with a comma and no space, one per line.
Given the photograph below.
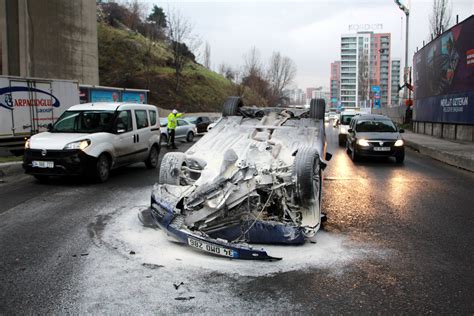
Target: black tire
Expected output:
[41,178]
[153,157]
[231,106]
[400,158]
[354,155]
[101,170]
[164,138]
[341,140]
[190,137]
[307,170]
[170,168]
[317,108]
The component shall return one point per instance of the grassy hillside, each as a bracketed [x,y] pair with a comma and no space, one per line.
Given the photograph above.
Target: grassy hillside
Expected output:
[129,60]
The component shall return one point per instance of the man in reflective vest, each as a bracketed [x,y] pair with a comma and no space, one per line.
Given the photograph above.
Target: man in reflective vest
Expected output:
[172,122]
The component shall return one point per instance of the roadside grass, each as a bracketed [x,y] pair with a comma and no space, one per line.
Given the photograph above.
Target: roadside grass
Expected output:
[10,159]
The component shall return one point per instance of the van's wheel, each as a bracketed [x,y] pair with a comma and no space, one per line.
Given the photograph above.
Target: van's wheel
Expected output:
[152,161]
[190,137]
[170,168]
[102,169]
[317,108]
[307,170]
[231,106]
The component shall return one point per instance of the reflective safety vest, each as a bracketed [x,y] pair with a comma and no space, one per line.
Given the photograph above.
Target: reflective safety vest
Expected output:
[172,120]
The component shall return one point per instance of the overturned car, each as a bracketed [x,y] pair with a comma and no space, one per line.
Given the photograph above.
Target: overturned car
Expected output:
[255,178]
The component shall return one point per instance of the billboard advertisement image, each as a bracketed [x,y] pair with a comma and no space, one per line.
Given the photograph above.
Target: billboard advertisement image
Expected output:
[443,77]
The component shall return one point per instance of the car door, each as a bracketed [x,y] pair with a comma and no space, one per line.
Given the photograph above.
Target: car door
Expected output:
[124,138]
[181,128]
[143,133]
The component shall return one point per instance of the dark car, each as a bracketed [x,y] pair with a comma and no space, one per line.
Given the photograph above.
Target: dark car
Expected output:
[201,122]
[374,136]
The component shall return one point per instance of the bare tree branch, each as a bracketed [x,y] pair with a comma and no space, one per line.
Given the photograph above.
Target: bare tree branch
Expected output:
[183,42]
[281,72]
[440,17]
[207,56]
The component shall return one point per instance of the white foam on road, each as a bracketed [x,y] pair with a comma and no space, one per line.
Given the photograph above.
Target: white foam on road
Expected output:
[114,281]
[332,251]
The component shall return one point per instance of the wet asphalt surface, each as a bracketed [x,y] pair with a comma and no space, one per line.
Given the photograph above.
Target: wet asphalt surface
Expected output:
[420,213]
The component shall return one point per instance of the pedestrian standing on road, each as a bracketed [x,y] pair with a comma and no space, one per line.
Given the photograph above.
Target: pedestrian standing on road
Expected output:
[172,122]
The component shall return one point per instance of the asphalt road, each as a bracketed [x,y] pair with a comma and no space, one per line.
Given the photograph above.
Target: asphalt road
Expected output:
[403,235]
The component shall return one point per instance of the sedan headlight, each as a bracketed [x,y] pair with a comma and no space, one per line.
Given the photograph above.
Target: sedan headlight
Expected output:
[27,144]
[399,143]
[363,142]
[81,144]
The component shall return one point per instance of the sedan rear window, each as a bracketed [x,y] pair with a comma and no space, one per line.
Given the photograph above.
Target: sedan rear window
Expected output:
[379,126]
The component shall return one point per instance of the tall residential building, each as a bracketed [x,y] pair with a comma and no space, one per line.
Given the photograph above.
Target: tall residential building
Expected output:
[395,97]
[365,62]
[334,86]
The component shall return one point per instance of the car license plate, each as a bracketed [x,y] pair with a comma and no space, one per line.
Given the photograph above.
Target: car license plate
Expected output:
[43,164]
[381,148]
[212,248]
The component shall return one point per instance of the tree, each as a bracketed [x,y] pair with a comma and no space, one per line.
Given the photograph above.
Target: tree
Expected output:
[207,56]
[156,23]
[281,72]
[182,41]
[134,19]
[252,63]
[440,17]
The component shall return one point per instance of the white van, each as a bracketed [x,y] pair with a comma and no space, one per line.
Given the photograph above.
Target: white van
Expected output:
[342,125]
[93,138]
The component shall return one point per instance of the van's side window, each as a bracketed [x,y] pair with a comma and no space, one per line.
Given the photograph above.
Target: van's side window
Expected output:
[142,118]
[124,121]
[152,117]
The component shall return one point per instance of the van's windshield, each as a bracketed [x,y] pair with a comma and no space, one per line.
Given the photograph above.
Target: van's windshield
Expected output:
[84,122]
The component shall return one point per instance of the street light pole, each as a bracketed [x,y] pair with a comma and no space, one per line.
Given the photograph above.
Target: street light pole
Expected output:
[407,16]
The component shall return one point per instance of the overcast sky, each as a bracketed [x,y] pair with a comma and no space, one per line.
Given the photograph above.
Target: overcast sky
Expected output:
[307,31]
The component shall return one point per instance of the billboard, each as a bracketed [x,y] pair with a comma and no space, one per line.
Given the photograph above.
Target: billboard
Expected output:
[443,77]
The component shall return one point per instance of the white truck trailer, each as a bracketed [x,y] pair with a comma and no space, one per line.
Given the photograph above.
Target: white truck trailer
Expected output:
[28,105]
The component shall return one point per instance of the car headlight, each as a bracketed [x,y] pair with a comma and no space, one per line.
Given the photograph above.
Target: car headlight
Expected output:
[81,144]
[27,144]
[363,142]
[399,143]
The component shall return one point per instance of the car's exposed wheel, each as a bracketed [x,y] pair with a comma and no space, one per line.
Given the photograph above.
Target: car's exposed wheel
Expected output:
[400,158]
[152,161]
[41,178]
[170,168]
[307,170]
[317,108]
[231,106]
[102,169]
[190,137]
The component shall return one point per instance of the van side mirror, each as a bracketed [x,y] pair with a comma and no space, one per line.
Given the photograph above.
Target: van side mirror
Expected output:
[120,128]
[401,130]
[49,127]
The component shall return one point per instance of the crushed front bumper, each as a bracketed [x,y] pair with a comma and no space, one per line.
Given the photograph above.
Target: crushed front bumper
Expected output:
[171,222]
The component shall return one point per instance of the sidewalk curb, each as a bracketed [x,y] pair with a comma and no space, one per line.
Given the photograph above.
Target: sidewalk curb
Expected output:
[443,156]
[10,169]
